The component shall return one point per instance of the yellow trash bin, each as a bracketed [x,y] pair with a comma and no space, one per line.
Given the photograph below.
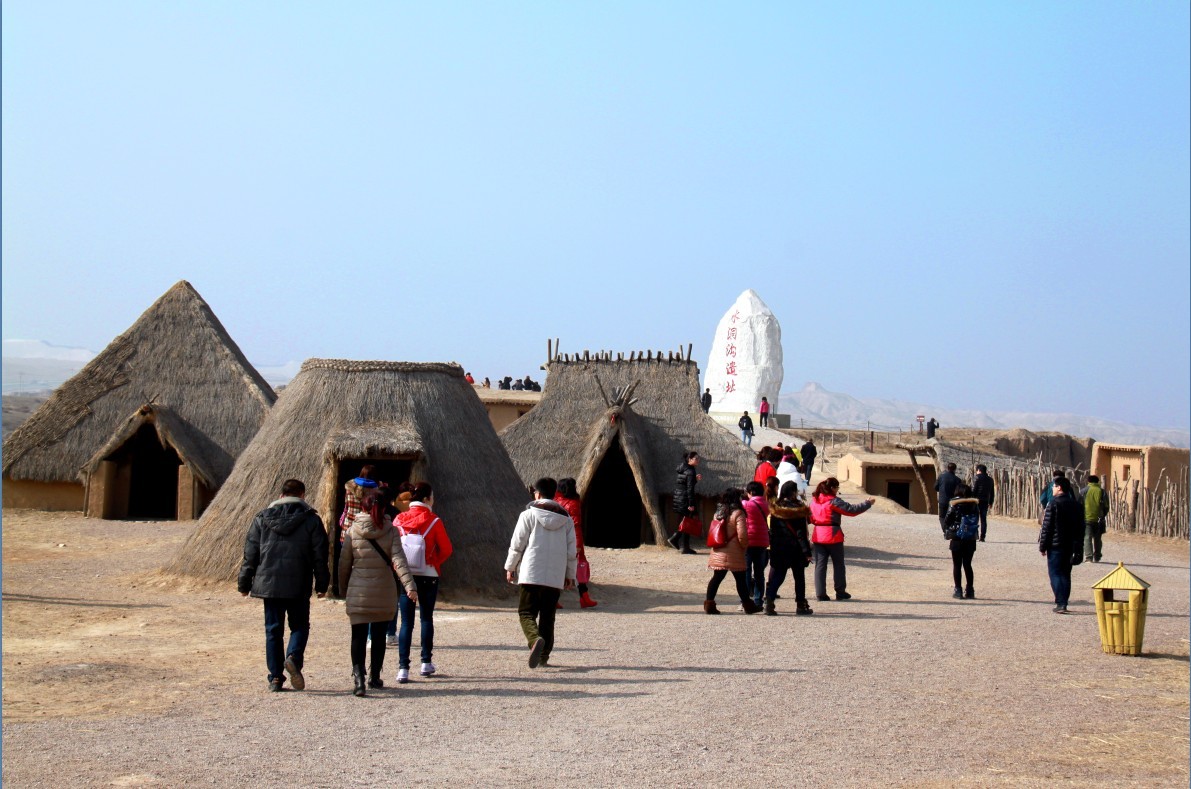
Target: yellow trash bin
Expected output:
[1121,600]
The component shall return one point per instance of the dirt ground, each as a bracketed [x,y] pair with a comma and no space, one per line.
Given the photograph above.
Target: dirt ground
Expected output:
[116,676]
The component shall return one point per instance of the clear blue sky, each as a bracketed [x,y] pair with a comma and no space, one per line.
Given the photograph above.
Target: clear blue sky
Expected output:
[979,205]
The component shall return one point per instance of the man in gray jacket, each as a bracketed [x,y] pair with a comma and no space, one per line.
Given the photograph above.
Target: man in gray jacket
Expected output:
[286,549]
[542,559]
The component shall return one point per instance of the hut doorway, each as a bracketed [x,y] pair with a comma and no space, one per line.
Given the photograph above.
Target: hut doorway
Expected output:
[612,508]
[393,471]
[144,479]
[899,492]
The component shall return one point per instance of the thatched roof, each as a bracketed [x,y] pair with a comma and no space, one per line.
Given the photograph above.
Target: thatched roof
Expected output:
[172,431]
[336,409]
[179,360]
[651,405]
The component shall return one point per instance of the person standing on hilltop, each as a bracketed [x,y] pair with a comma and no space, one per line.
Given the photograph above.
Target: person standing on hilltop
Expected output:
[764,411]
[931,427]
[985,491]
[705,400]
[809,453]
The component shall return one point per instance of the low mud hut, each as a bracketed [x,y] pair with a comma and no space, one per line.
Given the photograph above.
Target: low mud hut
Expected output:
[620,427]
[411,421]
[150,428]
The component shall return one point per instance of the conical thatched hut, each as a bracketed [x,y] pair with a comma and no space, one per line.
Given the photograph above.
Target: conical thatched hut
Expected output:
[150,428]
[620,427]
[412,421]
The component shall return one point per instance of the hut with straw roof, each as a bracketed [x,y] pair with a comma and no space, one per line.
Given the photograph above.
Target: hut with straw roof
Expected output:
[620,427]
[149,428]
[411,422]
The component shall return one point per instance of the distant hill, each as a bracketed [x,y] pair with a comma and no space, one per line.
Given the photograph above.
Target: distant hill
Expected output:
[817,406]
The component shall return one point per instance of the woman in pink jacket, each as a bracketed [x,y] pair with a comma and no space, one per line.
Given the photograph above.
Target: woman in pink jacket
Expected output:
[730,557]
[828,537]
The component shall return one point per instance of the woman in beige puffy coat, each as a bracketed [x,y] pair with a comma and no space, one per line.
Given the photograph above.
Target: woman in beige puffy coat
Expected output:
[731,557]
[370,584]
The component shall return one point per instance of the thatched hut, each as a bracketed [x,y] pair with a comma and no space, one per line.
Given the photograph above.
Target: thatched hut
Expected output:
[412,421]
[150,428]
[619,427]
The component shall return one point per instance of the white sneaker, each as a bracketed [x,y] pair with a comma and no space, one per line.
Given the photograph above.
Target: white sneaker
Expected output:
[390,641]
[428,669]
[402,676]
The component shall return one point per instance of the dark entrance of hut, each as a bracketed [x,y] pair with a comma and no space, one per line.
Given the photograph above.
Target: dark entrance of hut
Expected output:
[612,508]
[899,492]
[143,479]
[390,470]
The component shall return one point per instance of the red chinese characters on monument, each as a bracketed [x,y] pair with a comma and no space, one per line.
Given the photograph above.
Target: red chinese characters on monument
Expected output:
[730,355]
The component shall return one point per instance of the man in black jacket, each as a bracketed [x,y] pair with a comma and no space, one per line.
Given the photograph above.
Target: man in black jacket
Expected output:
[684,499]
[809,452]
[984,490]
[945,486]
[705,400]
[286,549]
[1060,540]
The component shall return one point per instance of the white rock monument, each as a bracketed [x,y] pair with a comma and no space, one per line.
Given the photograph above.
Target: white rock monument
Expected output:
[746,360]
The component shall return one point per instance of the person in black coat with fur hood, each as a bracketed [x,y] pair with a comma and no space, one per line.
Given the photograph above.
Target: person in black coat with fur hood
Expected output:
[789,548]
[684,498]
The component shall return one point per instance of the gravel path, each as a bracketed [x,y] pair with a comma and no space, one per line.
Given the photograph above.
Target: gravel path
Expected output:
[113,676]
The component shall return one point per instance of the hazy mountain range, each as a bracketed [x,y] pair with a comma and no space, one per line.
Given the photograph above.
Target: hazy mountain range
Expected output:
[816,407]
[34,366]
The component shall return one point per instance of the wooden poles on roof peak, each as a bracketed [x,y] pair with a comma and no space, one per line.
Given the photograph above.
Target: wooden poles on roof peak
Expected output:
[553,354]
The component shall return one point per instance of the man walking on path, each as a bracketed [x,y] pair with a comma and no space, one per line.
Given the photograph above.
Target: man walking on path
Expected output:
[746,429]
[1058,541]
[809,453]
[1095,515]
[285,551]
[985,491]
[945,486]
[705,400]
[542,559]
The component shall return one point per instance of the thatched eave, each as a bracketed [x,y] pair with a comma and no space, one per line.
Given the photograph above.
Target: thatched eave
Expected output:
[374,440]
[172,431]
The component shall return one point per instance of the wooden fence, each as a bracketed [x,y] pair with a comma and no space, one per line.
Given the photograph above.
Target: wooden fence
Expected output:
[1159,512]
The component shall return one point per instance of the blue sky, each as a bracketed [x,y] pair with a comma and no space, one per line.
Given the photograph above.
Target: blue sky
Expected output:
[979,205]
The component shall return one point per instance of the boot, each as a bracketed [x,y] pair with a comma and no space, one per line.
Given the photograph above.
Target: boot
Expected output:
[709,607]
[970,594]
[358,677]
[585,601]
[958,594]
[804,609]
[375,666]
[769,609]
[673,540]
[749,606]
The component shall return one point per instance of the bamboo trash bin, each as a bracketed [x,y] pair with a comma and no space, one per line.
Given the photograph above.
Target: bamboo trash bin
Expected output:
[1122,621]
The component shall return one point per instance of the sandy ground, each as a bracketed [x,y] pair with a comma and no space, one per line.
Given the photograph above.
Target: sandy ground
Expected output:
[113,675]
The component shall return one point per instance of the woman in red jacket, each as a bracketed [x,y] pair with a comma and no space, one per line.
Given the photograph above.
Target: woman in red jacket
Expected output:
[828,537]
[568,497]
[420,520]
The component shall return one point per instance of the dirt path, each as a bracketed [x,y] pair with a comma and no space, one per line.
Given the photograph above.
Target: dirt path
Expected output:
[114,677]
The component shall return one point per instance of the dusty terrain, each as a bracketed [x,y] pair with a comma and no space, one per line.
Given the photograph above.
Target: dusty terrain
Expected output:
[114,675]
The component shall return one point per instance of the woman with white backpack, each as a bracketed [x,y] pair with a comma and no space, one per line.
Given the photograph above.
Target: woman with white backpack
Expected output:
[424,539]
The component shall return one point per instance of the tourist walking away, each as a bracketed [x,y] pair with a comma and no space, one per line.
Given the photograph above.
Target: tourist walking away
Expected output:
[285,551]
[945,487]
[962,527]
[1059,540]
[745,423]
[353,492]
[828,536]
[931,427]
[787,471]
[766,465]
[764,411]
[426,545]
[756,514]
[1095,518]
[728,553]
[371,570]
[685,503]
[542,559]
[789,548]
[705,400]
[985,492]
[809,453]
[568,497]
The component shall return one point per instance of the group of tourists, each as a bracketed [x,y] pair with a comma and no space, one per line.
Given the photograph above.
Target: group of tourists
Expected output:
[389,549]
[525,384]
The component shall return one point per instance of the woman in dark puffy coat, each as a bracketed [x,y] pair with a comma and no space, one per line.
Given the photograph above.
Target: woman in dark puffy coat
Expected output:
[684,498]
[371,555]
[789,548]
[964,518]
[1060,539]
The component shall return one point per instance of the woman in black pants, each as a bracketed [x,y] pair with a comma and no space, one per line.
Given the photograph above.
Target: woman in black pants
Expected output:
[789,548]
[963,518]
